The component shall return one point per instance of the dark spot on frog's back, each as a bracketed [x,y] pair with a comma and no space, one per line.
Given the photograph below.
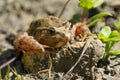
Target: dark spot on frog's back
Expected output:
[56,21]
[38,23]
[53,18]
[64,23]
[35,24]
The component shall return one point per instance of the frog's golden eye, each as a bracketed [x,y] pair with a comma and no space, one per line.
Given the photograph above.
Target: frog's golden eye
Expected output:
[52,30]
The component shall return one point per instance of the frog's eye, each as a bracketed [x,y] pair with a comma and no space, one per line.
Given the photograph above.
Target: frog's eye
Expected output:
[52,30]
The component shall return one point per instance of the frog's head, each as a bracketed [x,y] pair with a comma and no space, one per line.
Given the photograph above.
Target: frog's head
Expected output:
[53,36]
[51,31]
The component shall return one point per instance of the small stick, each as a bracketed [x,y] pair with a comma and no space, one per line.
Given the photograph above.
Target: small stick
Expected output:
[7,63]
[83,51]
[63,8]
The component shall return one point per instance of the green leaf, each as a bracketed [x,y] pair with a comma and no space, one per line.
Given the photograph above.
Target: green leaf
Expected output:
[116,39]
[114,36]
[104,34]
[87,4]
[106,31]
[100,15]
[97,3]
[114,52]
[107,36]
[92,23]
[103,38]
[117,25]
[114,33]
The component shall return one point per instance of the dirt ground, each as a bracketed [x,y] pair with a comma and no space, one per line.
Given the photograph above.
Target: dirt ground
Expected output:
[16,16]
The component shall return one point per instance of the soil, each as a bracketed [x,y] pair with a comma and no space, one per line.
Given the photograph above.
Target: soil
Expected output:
[16,15]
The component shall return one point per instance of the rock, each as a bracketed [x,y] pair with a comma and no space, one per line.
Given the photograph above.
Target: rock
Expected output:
[33,62]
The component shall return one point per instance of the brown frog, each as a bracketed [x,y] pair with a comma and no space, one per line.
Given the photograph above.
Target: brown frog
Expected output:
[44,35]
[49,31]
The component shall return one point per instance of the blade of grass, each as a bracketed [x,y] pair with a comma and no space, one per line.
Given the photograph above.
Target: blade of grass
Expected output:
[100,15]
[114,52]
[92,23]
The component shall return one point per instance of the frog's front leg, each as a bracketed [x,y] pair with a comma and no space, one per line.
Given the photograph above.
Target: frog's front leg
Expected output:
[24,42]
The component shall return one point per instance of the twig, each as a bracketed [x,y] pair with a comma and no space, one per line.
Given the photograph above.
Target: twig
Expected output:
[7,63]
[61,12]
[83,51]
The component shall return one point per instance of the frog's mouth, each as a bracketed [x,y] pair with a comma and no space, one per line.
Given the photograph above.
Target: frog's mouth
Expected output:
[57,40]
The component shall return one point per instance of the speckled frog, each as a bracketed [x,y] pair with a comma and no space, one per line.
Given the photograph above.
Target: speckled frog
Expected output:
[44,39]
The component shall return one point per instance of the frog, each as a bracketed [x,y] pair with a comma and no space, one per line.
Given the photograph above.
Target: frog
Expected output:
[43,37]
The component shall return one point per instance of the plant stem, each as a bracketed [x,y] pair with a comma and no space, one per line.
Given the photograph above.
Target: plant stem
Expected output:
[84,16]
[104,56]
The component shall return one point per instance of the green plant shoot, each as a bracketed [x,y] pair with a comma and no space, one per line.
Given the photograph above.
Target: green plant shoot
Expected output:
[109,38]
[87,5]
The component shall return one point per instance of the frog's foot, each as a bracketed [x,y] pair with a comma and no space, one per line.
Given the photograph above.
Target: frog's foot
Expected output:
[49,69]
